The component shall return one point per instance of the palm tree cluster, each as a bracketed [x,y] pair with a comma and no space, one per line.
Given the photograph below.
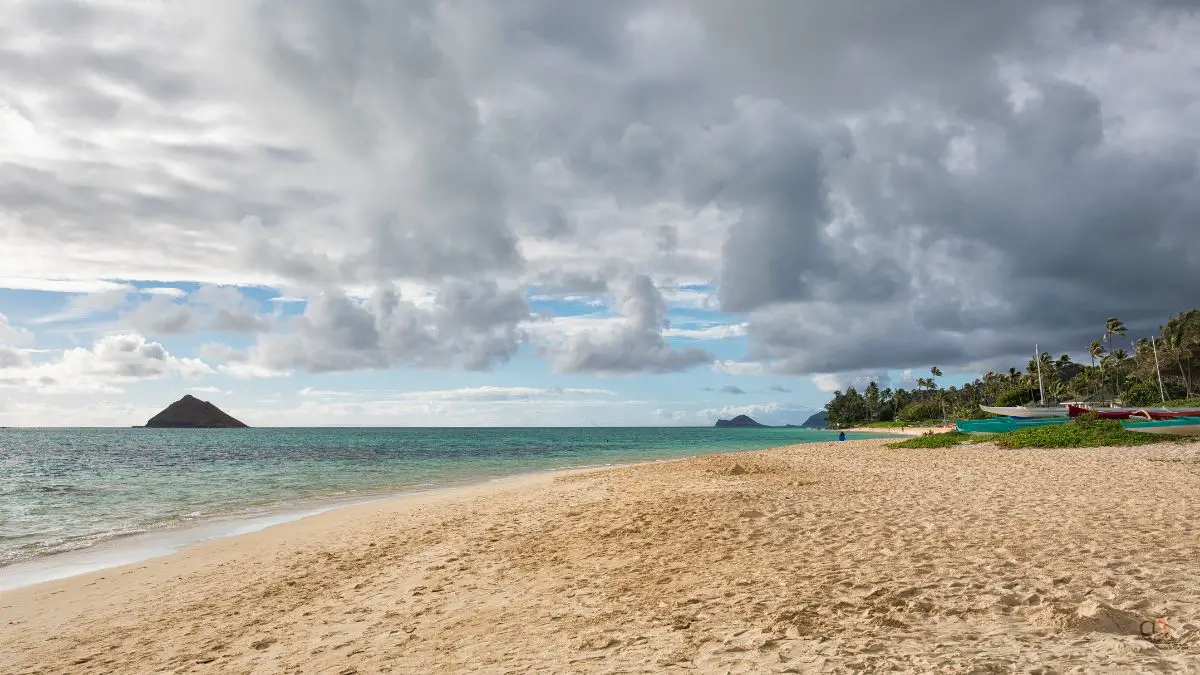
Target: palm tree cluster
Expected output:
[1115,375]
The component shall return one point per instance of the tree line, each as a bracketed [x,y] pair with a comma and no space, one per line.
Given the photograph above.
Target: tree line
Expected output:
[1118,371]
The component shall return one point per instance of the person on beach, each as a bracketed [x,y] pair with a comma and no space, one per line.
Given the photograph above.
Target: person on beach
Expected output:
[841,435]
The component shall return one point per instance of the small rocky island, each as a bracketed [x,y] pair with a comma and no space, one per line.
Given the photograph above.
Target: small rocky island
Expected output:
[190,412]
[739,421]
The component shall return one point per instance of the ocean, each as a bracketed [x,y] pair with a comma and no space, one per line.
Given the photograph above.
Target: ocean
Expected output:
[64,490]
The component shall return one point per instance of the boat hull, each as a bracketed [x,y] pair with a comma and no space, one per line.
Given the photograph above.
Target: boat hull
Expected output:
[1026,413]
[1002,425]
[1181,426]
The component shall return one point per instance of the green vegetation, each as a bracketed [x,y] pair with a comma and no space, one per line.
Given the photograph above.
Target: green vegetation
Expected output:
[1080,433]
[946,440]
[887,425]
[1086,431]
[919,411]
[1113,375]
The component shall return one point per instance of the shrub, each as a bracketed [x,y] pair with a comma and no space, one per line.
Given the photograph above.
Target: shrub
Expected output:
[920,412]
[1086,431]
[1142,393]
[969,412]
[931,440]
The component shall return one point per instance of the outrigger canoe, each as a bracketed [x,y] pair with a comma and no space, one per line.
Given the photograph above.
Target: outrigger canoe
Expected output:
[1126,413]
[1180,426]
[1027,412]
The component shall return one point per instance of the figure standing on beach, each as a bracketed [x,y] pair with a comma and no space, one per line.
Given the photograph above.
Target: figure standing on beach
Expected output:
[841,435]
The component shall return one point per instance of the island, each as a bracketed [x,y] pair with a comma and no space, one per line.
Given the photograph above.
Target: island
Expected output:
[190,412]
[817,421]
[739,421]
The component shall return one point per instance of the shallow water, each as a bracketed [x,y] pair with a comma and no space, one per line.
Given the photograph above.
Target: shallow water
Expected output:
[69,489]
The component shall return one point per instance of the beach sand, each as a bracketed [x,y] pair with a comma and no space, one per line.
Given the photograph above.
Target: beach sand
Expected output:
[903,431]
[826,557]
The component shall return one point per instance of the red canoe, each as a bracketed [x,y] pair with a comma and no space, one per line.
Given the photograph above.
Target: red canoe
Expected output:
[1124,414]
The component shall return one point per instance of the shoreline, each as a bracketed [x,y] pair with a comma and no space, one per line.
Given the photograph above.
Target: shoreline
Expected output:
[130,549]
[840,556]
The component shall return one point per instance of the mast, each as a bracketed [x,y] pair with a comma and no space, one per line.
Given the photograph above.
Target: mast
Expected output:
[1158,372]
[1037,358]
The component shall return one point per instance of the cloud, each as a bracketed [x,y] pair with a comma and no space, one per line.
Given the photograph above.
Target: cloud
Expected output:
[739,367]
[111,361]
[831,382]
[712,332]
[161,316]
[863,188]
[210,390]
[731,389]
[470,324]
[779,388]
[484,393]
[12,357]
[735,410]
[13,335]
[635,344]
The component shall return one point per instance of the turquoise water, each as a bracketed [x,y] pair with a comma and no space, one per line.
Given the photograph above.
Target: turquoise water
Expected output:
[68,489]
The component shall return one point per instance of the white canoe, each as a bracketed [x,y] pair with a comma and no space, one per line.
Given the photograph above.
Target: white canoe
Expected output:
[1030,412]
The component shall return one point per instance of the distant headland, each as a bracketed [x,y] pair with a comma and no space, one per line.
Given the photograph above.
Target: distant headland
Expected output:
[190,412]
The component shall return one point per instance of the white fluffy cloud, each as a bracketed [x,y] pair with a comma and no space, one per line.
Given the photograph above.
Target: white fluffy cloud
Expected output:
[112,360]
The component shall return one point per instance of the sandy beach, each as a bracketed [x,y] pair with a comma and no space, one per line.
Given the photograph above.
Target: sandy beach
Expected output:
[830,557]
[903,431]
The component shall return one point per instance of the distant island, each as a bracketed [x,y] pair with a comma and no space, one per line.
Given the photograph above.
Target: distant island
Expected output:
[739,421]
[190,412]
[817,421]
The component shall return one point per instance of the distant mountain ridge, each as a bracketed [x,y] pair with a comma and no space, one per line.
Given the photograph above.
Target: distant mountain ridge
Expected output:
[190,412]
[817,421]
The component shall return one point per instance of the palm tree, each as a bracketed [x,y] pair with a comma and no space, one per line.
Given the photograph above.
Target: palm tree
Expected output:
[1095,350]
[935,371]
[1181,337]
[1114,326]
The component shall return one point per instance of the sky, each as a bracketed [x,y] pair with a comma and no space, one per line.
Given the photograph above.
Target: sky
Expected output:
[536,212]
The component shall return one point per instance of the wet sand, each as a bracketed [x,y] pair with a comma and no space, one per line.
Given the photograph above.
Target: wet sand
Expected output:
[827,557]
